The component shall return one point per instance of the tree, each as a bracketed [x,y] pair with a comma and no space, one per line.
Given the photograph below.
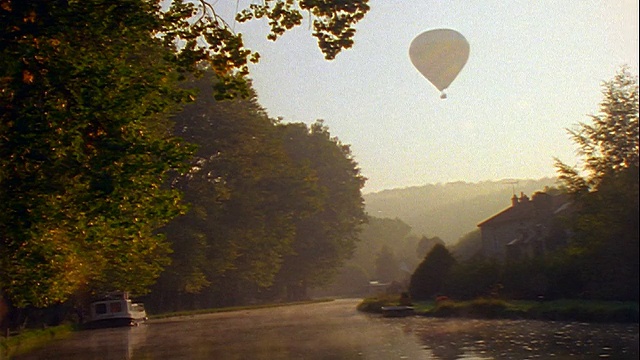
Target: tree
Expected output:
[351,281]
[469,246]
[332,20]
[86,88]
[387,266]
[203,35]
[327,237]
[472,279]
[426,244]
[244,193]
[610,144]
[377,233]
[431,275]
[605,226]
[84,148]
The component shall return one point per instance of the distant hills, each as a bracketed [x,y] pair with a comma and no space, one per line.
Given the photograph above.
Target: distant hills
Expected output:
[449,210]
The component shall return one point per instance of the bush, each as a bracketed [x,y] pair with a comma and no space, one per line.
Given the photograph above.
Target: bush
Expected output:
[375,304]
[488,308]
[479,308]
[431,275]
[561,310]
[587,311]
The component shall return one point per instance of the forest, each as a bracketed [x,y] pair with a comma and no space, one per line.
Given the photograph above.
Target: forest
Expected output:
[135,158]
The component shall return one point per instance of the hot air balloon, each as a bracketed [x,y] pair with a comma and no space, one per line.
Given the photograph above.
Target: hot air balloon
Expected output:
[439,55]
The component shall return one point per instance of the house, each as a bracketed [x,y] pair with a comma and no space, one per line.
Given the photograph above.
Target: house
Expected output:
[525,228]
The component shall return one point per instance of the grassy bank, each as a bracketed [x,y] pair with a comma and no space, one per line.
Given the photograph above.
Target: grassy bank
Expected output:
[32,339]
[565,310]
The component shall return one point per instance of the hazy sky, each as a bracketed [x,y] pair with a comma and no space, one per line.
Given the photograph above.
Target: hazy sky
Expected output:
[535,68]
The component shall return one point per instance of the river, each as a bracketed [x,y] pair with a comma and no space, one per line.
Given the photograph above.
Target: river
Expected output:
[335,330]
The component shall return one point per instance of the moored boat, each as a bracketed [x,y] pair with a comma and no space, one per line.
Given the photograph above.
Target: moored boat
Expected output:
[116,309]
[397,311]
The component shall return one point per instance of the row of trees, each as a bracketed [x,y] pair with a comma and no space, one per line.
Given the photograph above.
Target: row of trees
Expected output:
[87,148]
[274,208]
[601,259]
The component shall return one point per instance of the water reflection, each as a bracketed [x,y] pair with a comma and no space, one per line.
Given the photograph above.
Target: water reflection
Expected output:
[450,339]
[114,343]
[336,330]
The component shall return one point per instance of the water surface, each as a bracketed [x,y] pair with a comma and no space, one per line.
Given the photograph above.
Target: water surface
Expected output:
[335,330]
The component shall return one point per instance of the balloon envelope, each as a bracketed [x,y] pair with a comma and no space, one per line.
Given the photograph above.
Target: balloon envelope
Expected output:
[439,55]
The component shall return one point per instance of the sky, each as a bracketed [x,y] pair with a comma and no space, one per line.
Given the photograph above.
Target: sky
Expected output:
[535,69]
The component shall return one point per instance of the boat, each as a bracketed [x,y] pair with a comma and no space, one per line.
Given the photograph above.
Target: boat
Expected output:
[116,309]
[397,311]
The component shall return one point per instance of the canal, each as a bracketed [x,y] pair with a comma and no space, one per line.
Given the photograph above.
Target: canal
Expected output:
[335,330]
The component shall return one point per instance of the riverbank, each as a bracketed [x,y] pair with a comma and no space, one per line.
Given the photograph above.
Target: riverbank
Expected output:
[31,339]
[556,310]
[233,308]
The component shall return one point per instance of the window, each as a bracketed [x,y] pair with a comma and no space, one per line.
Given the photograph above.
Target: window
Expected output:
[101,309]
[115,307]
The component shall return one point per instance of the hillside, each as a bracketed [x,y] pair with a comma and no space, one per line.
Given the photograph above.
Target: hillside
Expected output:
[449,210]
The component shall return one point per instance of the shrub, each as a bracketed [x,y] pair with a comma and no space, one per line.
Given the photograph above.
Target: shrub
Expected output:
[431,275]
[375,304]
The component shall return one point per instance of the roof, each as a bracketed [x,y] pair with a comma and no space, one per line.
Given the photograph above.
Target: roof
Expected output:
[513,213]
[542,204]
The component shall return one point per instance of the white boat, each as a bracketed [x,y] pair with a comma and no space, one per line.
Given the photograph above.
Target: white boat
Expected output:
[397,311]
[116,309]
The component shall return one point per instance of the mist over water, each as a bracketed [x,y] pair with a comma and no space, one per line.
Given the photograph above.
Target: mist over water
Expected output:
[335,330]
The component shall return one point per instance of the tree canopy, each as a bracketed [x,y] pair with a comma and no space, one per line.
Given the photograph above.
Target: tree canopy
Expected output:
[609,145]
[605,241]
[431,275]
[326,238]
[243,192]
[86,90]
[84,148]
